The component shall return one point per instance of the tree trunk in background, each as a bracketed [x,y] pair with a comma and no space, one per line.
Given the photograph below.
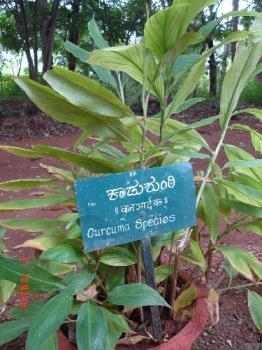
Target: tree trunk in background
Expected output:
[212,70]
[21,19]
[74,31]
[47,30]
[234,28]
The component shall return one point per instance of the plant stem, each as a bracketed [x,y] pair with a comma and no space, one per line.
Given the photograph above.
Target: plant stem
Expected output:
[240,286]
[121,89]
[212,162]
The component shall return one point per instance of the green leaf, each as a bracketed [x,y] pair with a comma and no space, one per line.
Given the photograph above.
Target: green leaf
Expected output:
[130,59]
[24,184]
[21,152]
[79,280]
[245,62]
[188,103]
[50,344]
[92,164]
[118,256]
[76,51]
[115,278]
[49,226]
[39,279]
[42,242]
[11,330]
[243,207]
[91,327]
[163,272]
[56,268]
[61,110]
[86,93]
[163,29]
[135,295]
[210,206]
[116,322]
[23,204]
[187,87]
[183,63]
[256,112]
[255,308]
[244,164]
[96,35]
[27,314]
[103,74]
[186,297]
[65,253]
[196,257]
[49,319]
[256,137]
[6,289]
[254,226]
[242,192]
[243,261]
[232,273]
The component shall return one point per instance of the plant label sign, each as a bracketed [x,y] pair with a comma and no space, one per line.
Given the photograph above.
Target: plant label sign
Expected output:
[126,207]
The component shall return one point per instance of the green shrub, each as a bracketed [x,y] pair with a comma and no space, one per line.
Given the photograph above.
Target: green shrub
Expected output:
[253,93]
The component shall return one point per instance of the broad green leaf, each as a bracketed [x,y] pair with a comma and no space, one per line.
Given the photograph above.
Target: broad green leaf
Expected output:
[42,242]
[256,137]
[254,226]
[116,322]
[96,35]
[243,207]
[163,29]
[39,279]
[130,59]
[65,253]
[86,93]
[187,87]
[256,112]
[188,103]
[186,298]
[79,280]
[92,164]
[241,192]
[183,63]
[245,62]
[210,206]
[236,154]
[46,225]
[163,272]
[50,344]
[196,256]
[55,268]
[59,173]
[76,51]
[112,340]
[49,319]
[6,289]
[61,110]
[118,256]
[24,184]
[135,295]
[23,204]
[21,152]
[243,261]
[91,327]
[244,164]
[232,273]
[115,278]
[26,314]
[11,330]
[103,74]
[255,308]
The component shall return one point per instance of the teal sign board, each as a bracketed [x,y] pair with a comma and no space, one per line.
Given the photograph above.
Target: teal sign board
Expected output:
[126,207]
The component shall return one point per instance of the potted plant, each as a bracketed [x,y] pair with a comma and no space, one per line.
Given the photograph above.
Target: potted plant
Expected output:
[102,293]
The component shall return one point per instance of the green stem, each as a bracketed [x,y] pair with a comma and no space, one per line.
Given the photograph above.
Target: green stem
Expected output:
[121,89]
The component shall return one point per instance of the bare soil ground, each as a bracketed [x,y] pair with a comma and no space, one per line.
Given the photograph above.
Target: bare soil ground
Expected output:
[235,329]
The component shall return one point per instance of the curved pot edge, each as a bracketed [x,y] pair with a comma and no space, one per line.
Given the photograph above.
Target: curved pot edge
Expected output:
[194,328]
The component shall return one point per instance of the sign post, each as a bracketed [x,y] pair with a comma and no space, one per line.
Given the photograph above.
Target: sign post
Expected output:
[136,205]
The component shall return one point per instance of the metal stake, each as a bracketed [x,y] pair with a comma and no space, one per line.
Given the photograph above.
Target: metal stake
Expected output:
[150,280]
